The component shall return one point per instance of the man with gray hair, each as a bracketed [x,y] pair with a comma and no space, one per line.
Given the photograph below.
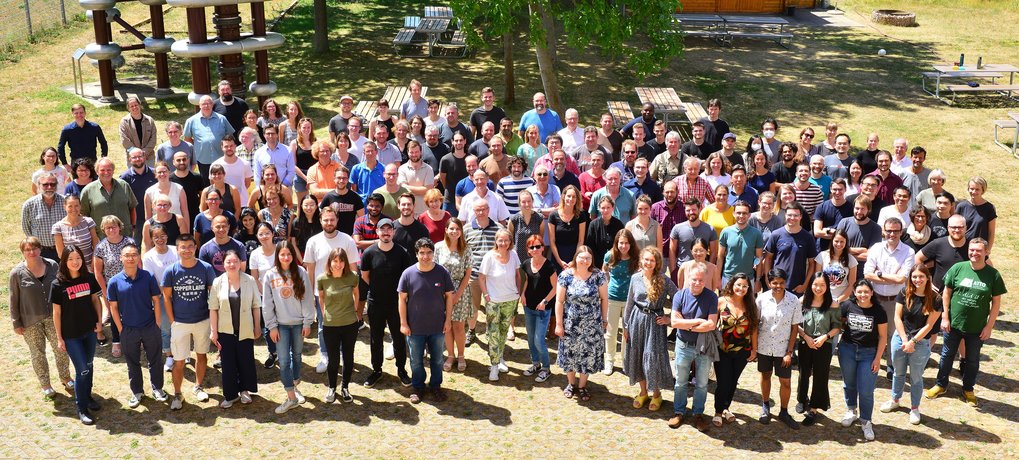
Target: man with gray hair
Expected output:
[205,130]
[669,165]
[109,196]
[41,211]
[626,206]
[453,125]
[572,134]
[888,265]
[174,144]
[481,192]
[691,184]
[901,161]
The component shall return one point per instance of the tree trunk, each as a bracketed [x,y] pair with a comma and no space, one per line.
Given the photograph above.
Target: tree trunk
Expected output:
[507,64]
[552,36]
[543,51]
[320,39]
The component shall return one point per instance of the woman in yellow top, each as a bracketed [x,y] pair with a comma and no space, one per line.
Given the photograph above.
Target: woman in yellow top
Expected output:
[719,214]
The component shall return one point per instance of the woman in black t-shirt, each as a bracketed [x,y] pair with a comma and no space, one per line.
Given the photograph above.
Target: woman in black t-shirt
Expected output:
[865,332]
[917,311]
[76,311]
[538,291]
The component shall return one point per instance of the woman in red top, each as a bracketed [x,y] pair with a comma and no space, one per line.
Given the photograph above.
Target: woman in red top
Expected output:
[435,218]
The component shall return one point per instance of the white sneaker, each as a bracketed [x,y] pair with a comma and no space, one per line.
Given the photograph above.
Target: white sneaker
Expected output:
[200,393]
[160,395]
[226,404]
[300,398]
[135,400]
[510,335]
[914,416]
[503,367]
[245,397]
[493,373]
[178,402]
[330,396]
[868,430]
[390,354]
[322,365]
[608,368]
[287,405]
[850,417]
[889,406]
[168,366]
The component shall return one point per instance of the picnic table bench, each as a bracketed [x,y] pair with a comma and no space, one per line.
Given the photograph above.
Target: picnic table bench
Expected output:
[665,100]
[438,12]
[395,95]
[694,111]
[991,71]
[1013,125]
[763,27]
[621,112]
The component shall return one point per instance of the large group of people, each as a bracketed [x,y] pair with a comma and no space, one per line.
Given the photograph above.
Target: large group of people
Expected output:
[244,225]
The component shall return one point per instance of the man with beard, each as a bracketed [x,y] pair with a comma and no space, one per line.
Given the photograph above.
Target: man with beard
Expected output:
[381,266]
[546,119]
[416,176]
[140,177]
[785,171]
[433,150]
[740,246]
[561,177]
[728,150]
[391,191]
[862,232]
[669,164]
[868,187]
[453,125]
[511,140]
[453,169]
[945,252]
[192,183]
[487,113]
[807,194]
[496,165]
[511,186]
[40,212]
[682,236]
[346,203]
[480,146]
[668,212]
[338,124]
[366,226]
[628,160]
[584,151]
[407,230]
[233,108]
[889,181]
[316,254]
[214,251]
[696,147]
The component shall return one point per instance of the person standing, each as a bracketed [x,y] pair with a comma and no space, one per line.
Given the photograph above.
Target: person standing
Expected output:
[233,108]
[792,249]
[619,263]
[455,256]
[971,298]
[381,266]
[539,288]
[134,295]
[694,312]
[288,306]
[76,310]
[426,309]
[646,359]
[480,236]
[138,131]
[738,322]
[740,246]
[774,341]
[39,214]
[110,195]
[582,302]
[185,287]
[81,136]
[821,325]
[499,279]
[865,333]
[236,319]
[205,130]
[337,293]
[32,316]
[315,257]
[139,176]
[887,268]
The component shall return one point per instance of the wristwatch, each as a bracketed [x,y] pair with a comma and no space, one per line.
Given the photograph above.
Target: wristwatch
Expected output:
[879,274]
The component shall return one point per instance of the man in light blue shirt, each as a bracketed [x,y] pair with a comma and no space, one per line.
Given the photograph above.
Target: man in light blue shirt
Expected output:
[204,130]
[276,153]
[546,119]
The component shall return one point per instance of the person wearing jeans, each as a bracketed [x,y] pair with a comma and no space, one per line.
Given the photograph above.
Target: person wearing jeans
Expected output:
[694,312]
[426,309]
[536,296]
[76,312]
[288,304]
[864,327]
[917,310]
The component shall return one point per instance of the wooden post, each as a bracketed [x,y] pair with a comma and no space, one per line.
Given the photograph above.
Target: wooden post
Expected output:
[231,66]
[106,74]
[199,66]
[162,67]
[261,57]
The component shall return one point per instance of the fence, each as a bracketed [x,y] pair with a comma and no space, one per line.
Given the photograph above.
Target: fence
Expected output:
[19,19]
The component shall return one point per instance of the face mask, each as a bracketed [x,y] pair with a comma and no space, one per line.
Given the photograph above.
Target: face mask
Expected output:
[755,147]
[769,134]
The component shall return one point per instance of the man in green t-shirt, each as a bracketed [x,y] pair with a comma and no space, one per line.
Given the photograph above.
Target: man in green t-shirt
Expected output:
[971,299]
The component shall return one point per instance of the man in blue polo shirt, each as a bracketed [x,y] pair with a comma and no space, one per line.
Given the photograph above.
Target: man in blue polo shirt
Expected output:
[134,299]
[546,119]
[205,131]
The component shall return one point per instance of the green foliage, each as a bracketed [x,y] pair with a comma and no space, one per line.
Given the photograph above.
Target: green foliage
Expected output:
[639,31]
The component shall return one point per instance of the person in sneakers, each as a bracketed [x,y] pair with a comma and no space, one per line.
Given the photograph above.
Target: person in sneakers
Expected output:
[539,285]
[499,279]
[821,324]
[338,293]
[865,333]
[134,297]
[694,312]
[917,312]
[774,341]
[426,309]
[156,261]
[74,296]
[972,299]
[646,359]
[381,267]
[288,306]
[186,297]
[236,316]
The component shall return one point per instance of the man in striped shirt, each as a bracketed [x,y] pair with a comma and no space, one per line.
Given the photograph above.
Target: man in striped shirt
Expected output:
[512,186]
[480,236]
[807,193]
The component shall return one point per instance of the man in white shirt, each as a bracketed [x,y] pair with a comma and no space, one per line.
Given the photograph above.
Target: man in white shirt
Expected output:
[572,134]
[901,162]
[498,209]
[887,268]
[316,254]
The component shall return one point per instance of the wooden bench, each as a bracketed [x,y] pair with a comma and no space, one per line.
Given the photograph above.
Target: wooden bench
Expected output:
[407,43]
[774,36]
[621,112]
[694,111]
[411,22]
[395,95]
[1003,89]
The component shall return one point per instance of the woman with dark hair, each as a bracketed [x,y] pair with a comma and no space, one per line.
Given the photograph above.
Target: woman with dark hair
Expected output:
[338,294]
[700,250]
[918,233]
[582,302]
[50,164]
[417,129]
[917,311]
[759,175]
[645,322]
[839,267]
[304,159]
[567,226]
[305,225]
[538,290]
[866,331]
[230,198]
[235,315]
[288,128]
[288,304]
[454,255]
[76,312]
[84,172]
[156,261]
[821,324]
[854,182]
[32,315]
[620,263]
[261,260]
[384,118]
[270,178]
[434,118]
[247,230]
[602,231]
[737,322]
[804,148]
[251,121]
[202,227]
[646,231]
[270,115]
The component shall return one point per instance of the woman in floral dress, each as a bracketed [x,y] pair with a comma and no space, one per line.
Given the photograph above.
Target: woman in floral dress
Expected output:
[452,253]
[583,297]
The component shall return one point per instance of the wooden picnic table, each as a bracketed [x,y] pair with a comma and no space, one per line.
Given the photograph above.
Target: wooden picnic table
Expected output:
[987,71]
[395,95]
[665,100]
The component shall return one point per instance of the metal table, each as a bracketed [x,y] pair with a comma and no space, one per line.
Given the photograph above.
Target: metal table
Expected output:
[438,12]
[666,101]
[433,27]
[946,71]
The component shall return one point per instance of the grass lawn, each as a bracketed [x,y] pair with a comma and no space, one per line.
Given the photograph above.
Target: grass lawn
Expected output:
[826,74]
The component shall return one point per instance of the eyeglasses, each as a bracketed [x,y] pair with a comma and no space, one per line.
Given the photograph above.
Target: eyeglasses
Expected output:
[629,151]
[535,247]
[545,174]
[893,232]
[809,135]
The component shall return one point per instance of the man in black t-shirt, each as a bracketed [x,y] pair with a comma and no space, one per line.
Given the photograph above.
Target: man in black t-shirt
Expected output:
[233,108]
[407,230]
[697,147]
[488,112]
[714,127]
[785,170]
[946,251]
[381,266]
[347,204]
[191,183]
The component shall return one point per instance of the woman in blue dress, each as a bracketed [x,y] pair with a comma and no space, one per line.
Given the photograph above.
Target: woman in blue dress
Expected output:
[583,298]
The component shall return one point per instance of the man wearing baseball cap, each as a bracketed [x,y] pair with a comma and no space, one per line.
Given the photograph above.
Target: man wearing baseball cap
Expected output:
[382,264]
[728,150]
[338,124]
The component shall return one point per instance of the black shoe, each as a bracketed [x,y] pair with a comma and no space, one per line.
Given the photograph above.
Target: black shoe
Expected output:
[93,405]
[373,378]
[270,361]
[809,419]
[404,378]
[345,395]
[787,419]
[469,338]
[85,417]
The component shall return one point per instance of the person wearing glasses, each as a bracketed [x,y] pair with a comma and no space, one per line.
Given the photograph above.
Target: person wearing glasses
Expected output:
[887,268]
